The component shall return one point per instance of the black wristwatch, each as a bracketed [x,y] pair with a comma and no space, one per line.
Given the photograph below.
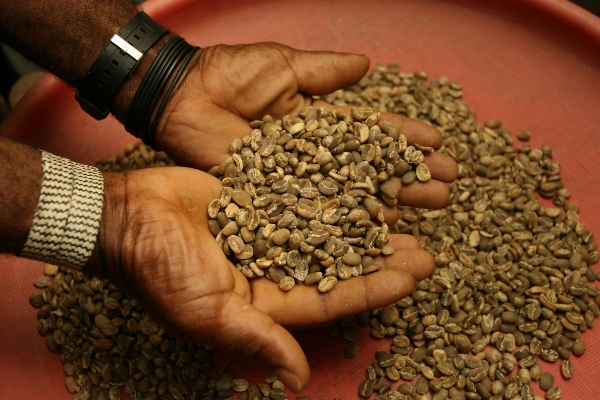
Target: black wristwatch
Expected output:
[118,59]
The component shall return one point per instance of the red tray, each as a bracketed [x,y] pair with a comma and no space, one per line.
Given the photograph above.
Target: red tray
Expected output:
[534,64]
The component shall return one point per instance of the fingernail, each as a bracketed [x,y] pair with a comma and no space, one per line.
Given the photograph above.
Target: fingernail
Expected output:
[290,380]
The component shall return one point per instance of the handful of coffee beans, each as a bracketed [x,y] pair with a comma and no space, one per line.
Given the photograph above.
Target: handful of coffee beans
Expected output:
[300,198]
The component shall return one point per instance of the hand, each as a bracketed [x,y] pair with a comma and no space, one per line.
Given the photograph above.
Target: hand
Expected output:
[228,86]
[155,245]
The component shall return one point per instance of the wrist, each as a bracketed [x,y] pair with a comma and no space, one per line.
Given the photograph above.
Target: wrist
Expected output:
[20,185]
[127,91]
[157,85]
[67,216]
[105,260]
[116,62]
[175,97]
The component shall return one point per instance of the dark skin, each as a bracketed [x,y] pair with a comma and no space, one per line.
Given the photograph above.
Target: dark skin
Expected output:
[154,240]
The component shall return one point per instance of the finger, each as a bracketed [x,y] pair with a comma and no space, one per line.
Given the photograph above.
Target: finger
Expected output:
[408,257]
[240,328]
[431,194]
[400,242]
[243,329]
[390,214]
[414,130]
[241,283]
[442,167]
[323,72]
[305,306]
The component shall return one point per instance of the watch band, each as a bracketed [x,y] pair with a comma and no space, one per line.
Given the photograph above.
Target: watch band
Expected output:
[114,64]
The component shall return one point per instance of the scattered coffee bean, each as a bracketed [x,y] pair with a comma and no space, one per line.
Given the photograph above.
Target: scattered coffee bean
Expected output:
[365,389]
[352,351]
[493,237]
[523,136]
[50,269]
[349,335]
[327,283]
[554,393]
[579,347]
[567,369]
[546,381]
[36,300]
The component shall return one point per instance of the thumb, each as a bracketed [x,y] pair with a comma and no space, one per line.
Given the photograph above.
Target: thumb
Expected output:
[323,72]
[243,329]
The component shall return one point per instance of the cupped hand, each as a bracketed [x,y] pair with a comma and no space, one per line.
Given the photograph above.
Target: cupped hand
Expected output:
[155,245]
[227,86]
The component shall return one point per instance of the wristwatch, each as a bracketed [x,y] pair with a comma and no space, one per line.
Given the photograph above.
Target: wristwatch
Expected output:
[118,59]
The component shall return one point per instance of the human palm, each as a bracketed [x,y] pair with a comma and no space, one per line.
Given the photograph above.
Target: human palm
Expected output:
[156,245]
[228,86]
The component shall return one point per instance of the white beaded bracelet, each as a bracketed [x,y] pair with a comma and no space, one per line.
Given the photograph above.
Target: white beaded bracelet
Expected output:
[67,218]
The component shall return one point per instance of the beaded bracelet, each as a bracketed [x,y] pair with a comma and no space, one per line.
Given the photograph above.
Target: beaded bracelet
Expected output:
[139,114]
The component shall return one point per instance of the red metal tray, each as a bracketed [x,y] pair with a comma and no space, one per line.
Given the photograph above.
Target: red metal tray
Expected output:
[534,64]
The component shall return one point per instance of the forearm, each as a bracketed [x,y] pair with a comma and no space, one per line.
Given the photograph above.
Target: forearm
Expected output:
[65,37]
[20,183]
[54,210]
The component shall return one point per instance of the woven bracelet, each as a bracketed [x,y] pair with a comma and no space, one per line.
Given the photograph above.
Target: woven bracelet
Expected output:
[67,218]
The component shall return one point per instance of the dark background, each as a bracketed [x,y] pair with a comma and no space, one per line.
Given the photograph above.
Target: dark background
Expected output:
[590,5]
[12,65]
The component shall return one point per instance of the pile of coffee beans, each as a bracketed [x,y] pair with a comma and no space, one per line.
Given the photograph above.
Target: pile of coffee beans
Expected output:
[136,156]
[512,274]
[512,286]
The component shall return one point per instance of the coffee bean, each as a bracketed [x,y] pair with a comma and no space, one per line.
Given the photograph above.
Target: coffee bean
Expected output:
[409,177]
[351,351]
[36,300]
[422,172]
[349,335]
[365,389]
[351,259]
[42,282]
[287,283]
[327,283]
[554,393]
[422,386]
[523,136]
[50,269]
[51,344]
[241,197]
[567,369]
[579,347]
[546,381]
[389,189]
